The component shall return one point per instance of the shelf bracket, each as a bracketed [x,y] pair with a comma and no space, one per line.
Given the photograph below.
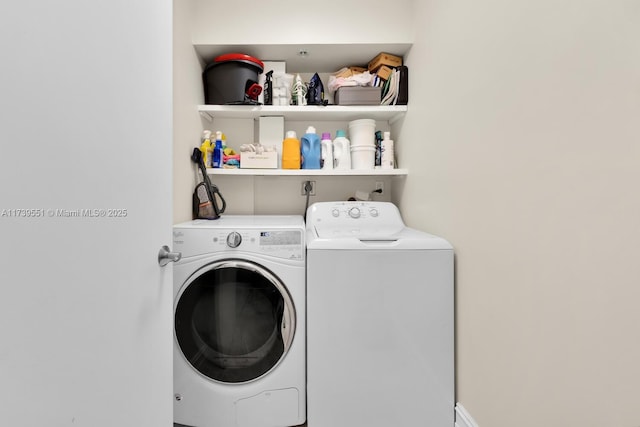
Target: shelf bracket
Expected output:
[395,118]
[208,117]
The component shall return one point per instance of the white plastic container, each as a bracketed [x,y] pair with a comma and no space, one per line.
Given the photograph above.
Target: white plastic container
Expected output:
[327,151]
[387,161]
[341,152]
[363,157]
[362,132]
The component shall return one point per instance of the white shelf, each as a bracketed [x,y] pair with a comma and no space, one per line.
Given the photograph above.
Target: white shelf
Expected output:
[306,112]
[308,172]
[320,58]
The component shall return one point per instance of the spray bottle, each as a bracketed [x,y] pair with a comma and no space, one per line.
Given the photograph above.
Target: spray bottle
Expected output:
[268,88]
[217,151]
[206,148]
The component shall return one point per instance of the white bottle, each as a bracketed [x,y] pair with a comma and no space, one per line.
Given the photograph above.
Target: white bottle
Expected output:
[387,161]
[327,151]
[341,152]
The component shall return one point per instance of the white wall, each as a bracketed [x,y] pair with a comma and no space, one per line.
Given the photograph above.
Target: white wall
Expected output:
[528,162]
[290,22]
[187,94]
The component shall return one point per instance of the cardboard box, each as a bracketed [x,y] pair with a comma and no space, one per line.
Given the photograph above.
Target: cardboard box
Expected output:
[357,70]
[343,73]
[384,72]
[357,95]
[347,72]
[252,160]
[384,59]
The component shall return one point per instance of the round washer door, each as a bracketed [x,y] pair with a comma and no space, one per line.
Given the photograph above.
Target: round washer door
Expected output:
[234,321]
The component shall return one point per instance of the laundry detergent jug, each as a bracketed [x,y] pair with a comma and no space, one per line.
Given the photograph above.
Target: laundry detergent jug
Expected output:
[291,151]
[341,151]
[311,150]
[327,151]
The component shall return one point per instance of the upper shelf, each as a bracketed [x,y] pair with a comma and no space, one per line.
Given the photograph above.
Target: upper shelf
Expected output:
[320,58]
[306,112]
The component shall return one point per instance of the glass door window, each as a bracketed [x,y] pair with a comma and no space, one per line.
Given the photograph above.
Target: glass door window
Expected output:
[234,321]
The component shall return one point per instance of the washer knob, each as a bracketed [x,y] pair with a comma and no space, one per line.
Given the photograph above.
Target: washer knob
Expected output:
[234,239]
[373,212]
[335,212]
[354,213]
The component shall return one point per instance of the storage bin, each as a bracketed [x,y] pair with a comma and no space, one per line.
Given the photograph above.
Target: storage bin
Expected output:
[357,95]
[232,79]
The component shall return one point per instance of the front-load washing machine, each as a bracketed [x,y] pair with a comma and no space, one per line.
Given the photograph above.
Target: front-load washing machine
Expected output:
[239,311]
[380,338]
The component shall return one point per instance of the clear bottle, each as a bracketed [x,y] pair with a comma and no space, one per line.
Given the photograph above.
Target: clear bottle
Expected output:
[327,151]
[341,151]
[291,151]
[218,154]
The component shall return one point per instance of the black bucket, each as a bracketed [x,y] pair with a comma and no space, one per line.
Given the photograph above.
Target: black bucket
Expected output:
[232,79]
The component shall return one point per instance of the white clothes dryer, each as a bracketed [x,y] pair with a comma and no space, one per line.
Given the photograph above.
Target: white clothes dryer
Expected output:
[239,311]
[380,319]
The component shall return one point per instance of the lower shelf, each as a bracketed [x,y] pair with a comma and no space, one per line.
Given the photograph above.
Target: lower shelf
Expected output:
[309,172]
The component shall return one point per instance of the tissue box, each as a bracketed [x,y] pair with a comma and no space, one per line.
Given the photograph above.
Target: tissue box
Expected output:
[253,160]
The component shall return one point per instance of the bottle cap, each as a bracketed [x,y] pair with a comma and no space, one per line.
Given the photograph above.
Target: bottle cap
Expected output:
[326,135]
[340,133]
[291,134]
[218,136]
[311,129]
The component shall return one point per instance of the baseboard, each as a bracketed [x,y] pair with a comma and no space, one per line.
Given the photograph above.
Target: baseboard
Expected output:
[463,419]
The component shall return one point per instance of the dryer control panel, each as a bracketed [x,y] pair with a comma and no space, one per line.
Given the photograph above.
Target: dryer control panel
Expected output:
[278,243]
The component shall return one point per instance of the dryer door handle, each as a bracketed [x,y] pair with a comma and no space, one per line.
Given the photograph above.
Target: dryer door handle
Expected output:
[165,256]
[287,329]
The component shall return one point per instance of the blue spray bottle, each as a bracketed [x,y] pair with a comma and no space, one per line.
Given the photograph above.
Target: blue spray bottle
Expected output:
[218,151]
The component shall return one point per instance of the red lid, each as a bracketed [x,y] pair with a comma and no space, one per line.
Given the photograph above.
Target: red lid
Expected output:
[239,57]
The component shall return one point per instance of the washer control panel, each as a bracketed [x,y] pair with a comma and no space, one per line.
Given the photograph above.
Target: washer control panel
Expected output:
[333,212]
[354,218]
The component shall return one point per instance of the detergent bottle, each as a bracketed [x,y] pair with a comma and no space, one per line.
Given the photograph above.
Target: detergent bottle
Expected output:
[341,151]
[217,151]
[291,151]
[310,147]
[387,160]
[206,148]
[327,151]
